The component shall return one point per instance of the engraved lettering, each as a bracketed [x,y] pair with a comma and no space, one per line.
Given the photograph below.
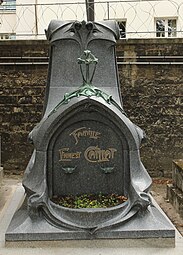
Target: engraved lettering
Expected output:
[95,154]
[65,155]
[84,132]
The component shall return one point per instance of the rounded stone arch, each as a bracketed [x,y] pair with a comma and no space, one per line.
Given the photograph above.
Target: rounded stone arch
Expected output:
[43,134]
[65,154]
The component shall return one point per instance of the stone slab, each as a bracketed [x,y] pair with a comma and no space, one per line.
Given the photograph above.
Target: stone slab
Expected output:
[83,247]
[152,227]
[114,243]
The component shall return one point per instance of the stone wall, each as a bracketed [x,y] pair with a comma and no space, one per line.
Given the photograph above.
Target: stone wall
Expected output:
[152,89]
[22,79]
[151,77]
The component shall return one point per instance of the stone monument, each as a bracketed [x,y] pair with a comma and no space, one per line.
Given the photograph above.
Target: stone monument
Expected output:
[85,144]
[175,189]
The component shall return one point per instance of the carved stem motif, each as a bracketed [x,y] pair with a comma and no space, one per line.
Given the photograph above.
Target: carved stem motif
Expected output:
[87,58]
[87,89]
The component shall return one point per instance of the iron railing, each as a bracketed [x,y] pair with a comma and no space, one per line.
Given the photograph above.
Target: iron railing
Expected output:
[136,18]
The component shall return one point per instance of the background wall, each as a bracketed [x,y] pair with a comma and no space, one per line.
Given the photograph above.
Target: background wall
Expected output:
[151,76]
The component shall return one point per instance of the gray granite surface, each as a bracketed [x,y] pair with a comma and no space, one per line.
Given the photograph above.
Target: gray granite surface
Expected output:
[85,144]
[150,224]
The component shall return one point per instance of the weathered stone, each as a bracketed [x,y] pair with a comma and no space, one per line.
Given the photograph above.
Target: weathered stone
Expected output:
[177,174]
[175,190]
[175,196]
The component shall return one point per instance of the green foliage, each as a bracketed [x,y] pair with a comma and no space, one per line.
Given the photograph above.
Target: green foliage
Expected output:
[90,201]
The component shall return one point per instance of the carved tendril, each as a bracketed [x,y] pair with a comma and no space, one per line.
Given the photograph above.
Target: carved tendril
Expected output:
[87,59]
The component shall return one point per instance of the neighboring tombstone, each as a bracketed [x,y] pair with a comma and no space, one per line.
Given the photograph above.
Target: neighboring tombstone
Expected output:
[175,189]
[85,144]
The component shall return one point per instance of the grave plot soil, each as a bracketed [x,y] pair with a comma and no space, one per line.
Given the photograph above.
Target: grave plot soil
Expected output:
[90,201]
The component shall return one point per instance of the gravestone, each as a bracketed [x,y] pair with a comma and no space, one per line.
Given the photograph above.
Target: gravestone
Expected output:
[175,189]
[85,144]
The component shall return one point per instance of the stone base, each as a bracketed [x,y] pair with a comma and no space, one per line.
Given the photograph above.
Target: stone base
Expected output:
[175,196]
[149,226]
[114,244]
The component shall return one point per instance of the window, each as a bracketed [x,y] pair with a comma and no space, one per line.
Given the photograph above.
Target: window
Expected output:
[122,28]
[8,5]
[166,27]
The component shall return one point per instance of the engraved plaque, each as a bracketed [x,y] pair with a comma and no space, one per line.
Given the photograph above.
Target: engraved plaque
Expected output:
[88,157]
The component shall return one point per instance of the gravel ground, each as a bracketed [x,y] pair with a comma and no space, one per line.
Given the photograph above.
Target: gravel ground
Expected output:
[159,192]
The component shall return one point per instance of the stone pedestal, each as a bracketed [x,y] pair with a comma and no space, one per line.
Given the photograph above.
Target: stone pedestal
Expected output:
[175,190]
[151,224]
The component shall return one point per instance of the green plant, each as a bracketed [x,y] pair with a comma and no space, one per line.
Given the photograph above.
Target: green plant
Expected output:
[89,200]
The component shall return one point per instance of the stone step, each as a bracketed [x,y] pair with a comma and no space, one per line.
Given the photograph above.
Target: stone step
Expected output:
[177,174]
